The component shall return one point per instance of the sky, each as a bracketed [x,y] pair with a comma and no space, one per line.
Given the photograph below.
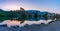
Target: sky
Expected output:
[42,5]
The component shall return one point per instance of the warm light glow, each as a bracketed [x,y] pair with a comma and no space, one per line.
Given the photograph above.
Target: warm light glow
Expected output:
[11,7]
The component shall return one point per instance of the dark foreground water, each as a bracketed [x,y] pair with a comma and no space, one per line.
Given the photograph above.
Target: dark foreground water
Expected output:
[55,26]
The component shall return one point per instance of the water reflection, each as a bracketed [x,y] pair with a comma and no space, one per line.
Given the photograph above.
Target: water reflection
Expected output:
[16,22]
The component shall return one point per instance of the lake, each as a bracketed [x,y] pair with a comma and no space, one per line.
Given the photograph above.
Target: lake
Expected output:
[16,22]
[30,25]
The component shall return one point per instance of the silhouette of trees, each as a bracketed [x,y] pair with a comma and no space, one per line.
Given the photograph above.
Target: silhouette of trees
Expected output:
[57,16]
[21,15]
[45,16]
[36,16]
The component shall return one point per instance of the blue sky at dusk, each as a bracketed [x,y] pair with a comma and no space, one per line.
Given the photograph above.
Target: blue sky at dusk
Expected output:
[42,5]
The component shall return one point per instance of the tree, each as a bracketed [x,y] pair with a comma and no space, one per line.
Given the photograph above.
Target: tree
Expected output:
[23,15]
[45,16]
[36,16]
[57,16]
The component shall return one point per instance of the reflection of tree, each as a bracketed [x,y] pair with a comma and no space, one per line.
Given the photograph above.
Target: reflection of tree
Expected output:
[57,16]
[45,16]
[5,15]
[23,15]
[4,18]
[36,16]
[11,14]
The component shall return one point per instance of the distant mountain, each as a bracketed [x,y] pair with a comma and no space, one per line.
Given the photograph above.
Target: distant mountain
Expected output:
[1,10]
[35,11]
